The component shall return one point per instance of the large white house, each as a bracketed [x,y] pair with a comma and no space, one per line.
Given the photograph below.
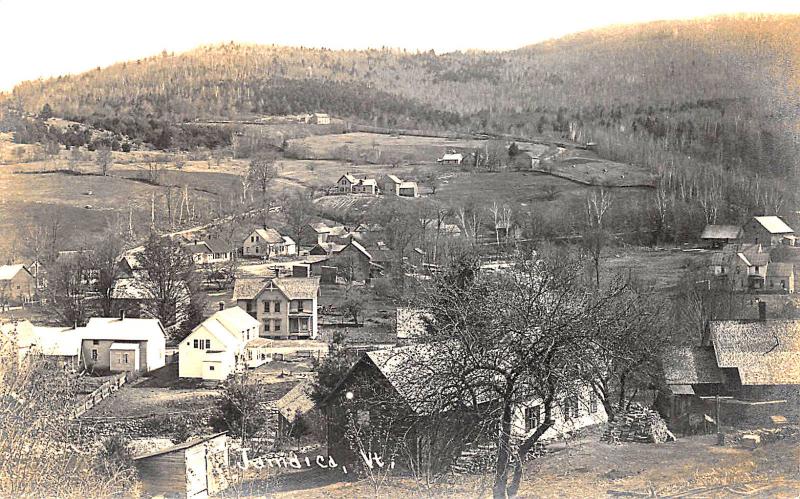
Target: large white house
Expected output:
[267,243]
[215,348]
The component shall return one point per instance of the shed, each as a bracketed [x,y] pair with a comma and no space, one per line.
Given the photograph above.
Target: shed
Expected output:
[193,469]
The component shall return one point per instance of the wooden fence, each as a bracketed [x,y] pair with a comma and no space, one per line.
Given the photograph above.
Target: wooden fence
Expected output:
[100,393]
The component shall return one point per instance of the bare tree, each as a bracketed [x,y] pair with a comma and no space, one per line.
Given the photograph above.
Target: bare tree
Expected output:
[167,273]
[512,338]
[105,261]
[67,289]
[104,160]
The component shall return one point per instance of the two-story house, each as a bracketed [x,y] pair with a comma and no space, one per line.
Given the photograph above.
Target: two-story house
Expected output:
[267,242]
[209,252]
[350,184]
[286,307]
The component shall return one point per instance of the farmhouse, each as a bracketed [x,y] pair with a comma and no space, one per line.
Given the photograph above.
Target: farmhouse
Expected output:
[398,187]
[768,231]
[267,242]
[193,469]
[123,344]
[215,348]
[17,284]
[717,236]
[451,159]
[286,307]
[754,366]
[350,184]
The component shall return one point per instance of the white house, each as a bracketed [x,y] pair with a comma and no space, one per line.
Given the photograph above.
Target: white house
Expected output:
[451,159]
[350,184]
[214,349]
[58,344]
[268,242]
[123,344]
[578,409]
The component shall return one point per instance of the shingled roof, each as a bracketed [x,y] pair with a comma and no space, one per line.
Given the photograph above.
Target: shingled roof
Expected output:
[691,365]
[296,402]
[764,352]
[294,288]
[720,232]
[271,236]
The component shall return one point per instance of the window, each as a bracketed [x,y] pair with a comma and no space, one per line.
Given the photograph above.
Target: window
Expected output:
[756,268]
[266,307]
[94,354]
[771,284]
[210,368]
[277,306]
[95,342]
[208,344]
[124,358]
[533,417]
[299,305]
[256,249]
[783,284]
[277,325]
[196,344]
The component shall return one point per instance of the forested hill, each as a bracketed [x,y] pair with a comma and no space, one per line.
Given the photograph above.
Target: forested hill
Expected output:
[703,86]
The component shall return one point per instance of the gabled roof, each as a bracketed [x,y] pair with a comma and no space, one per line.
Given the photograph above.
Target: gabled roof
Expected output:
[227,326]
[296,402]
[131,329]
[452,157]
[288,240]
[271,236]
[758,259]
[8,272]
[691,365]
[774,225]
[294,288]
[394,178]
[350,178]
[370,182]
[764,352]
[218,246]
[200,248]
[721,232]
[408,185]
[355,244]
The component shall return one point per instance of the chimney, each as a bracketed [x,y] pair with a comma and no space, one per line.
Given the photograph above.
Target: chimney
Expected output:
[222,305]
[122,314]
[762,310]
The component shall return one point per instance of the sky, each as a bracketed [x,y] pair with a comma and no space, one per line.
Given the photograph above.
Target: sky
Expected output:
[43,38]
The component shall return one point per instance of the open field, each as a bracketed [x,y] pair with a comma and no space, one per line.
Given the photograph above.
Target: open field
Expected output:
[596,171]
[377,148]
[587,468]
[661,268]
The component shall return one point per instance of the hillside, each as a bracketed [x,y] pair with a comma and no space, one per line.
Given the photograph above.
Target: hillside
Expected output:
[704,104]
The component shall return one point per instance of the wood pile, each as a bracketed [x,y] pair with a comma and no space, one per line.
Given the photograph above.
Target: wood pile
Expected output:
[765,435]
[479,458]
[638,424]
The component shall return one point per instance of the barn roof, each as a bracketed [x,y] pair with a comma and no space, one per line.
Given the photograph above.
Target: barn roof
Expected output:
[774,225]
[720,232]
[691,365]
[764,352]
